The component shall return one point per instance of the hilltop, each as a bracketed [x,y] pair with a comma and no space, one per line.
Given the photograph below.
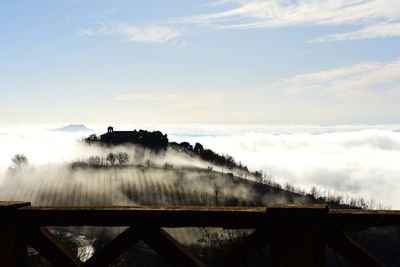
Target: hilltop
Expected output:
[73,128]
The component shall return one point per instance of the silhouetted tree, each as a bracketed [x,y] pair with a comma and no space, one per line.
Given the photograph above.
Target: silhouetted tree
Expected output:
[314,192]
[186,146]
[198,148]
[20,160]
[217,190]
[111,157]
[122,158]
[91,139]
[94,161]
[258,176]
[168,165]
[149,164]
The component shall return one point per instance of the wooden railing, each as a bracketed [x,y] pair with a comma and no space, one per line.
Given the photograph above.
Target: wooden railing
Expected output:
[297,234]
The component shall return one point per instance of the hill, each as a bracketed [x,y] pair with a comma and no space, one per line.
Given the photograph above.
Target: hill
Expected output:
[73,128]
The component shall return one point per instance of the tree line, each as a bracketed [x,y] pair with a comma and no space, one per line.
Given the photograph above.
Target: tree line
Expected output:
[154,140]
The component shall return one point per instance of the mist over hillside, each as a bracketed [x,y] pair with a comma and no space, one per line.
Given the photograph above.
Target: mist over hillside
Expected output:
[361,161]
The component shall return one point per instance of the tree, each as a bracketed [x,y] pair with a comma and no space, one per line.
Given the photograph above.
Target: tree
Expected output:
[20,160]
[94,161]
[91,139]
[122,158]
[314,192]
[259,176]
[149,164]
[198,148]
[111,157]
[217,190]
[168,165]
[185,146]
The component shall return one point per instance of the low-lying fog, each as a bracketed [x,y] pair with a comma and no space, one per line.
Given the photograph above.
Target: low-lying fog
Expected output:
[362,160]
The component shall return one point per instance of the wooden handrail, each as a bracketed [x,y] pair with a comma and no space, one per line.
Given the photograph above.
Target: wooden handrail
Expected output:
[199,216]
[297,234]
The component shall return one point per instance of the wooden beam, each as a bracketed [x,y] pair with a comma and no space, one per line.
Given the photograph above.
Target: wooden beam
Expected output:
[227,217]
[200,216]
[51,249]
[347,219]
[169,248]
[13,246]
[351,251]
[107,254]
[297,236]
[246,249]
[13,204]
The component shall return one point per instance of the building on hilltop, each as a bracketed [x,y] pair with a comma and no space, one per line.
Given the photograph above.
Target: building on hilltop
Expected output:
[118,137]
[154,140]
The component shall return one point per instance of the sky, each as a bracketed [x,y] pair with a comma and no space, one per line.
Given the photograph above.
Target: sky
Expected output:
[215,61]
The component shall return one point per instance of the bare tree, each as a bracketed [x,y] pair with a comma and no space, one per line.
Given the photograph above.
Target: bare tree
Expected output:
[217,190]
[259,176]
[168,165]
[149,164]
[91,139]
[111,157]
[314,192]
[94,161]
[20,160]
[122,158]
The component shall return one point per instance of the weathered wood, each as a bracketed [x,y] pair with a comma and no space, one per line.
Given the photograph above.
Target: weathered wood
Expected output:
[13,247]
[189,216]
[49,247]
[13,205]
[246,249]
[297,233]
[360,219]
[169,248]
[297,238]
[351,251]
[107,254]
[227,217]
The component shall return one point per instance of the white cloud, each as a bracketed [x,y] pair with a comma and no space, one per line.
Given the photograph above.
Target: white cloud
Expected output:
[319,79]
[280,13]
[362,80]
[145,34]
[360,160]
[356,160]
[374,31]
[380,18]
[376,18]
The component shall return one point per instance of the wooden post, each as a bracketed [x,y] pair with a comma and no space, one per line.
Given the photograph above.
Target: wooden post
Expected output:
[297,238]
[13,246]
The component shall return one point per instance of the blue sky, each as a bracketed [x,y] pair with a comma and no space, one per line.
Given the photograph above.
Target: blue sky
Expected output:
[233,61]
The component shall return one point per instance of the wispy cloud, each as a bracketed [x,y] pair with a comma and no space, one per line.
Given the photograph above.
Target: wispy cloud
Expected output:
[280,13]
[376,19]
[359,80]
[374,31]
[144,34]
[314,80]
[379,18]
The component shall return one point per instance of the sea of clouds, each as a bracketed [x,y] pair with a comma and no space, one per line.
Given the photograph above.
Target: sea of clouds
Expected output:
[356,160]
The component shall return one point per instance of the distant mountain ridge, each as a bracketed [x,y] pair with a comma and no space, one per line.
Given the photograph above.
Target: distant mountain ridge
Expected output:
[73,128]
